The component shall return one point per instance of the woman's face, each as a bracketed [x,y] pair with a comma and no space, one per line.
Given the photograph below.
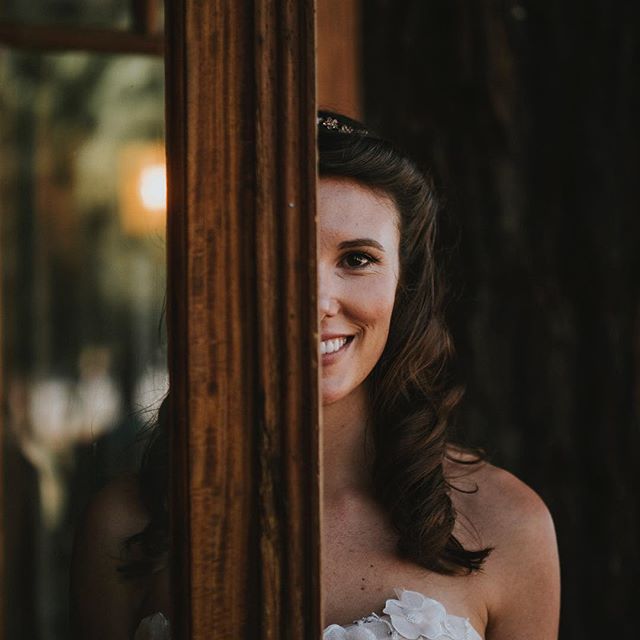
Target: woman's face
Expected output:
[358,270]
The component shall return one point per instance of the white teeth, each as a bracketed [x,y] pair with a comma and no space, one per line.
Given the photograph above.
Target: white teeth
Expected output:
[331,346]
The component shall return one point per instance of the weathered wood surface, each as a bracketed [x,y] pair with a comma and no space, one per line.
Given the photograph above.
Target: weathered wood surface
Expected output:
[528,115]
[242,321]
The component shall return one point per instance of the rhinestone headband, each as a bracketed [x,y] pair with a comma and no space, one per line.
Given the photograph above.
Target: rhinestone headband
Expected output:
[338,127]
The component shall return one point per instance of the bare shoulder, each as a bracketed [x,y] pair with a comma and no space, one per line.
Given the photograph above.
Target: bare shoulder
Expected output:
[497,503]
[497,510]
[103,603]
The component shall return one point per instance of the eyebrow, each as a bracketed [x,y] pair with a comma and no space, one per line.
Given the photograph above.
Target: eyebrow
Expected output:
[361,242]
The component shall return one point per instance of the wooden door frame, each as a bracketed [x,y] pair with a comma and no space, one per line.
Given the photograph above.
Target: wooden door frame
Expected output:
[242,318]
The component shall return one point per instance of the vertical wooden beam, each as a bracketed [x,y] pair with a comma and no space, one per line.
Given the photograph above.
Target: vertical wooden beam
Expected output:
[242,318]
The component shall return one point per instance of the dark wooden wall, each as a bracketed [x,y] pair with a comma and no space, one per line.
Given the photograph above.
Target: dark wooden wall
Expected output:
[338,56]
[528,115]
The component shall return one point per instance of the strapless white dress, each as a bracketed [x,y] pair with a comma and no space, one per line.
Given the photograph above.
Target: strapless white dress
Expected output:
[412,616]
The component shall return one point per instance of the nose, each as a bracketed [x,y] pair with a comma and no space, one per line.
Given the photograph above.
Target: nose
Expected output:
[328,304]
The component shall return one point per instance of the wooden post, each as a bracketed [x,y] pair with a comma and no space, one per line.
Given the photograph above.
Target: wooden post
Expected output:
[242,318]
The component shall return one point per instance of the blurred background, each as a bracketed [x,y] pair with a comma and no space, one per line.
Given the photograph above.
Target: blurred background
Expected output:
[524,112]
[82,264]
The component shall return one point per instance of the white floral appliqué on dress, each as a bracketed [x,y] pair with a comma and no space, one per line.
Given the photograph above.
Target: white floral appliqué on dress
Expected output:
[155,627]
[412,617]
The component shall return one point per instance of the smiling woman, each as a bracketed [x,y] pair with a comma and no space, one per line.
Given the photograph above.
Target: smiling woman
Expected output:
[404,509]
[358,279]
[468,549]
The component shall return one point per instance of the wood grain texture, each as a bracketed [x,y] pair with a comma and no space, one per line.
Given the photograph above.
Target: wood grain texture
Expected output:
[242,318]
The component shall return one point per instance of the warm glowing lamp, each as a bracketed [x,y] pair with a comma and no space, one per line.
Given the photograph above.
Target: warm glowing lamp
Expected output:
[152,188]
[143,188]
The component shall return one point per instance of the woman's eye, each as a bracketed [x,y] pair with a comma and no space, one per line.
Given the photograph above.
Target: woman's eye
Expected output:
[358,260]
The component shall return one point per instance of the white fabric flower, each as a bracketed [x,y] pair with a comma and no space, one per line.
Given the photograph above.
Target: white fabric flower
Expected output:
[415,616]
[155,627]
[334,632]
[357,632]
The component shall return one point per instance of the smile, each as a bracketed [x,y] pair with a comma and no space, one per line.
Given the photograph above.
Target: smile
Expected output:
[334,345]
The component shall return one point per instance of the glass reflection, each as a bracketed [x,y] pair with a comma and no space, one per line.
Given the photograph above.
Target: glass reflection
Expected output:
[82,260]
[103,13]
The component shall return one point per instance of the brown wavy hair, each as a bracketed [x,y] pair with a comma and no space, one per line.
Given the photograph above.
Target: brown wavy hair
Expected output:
[146,552]
[412,392]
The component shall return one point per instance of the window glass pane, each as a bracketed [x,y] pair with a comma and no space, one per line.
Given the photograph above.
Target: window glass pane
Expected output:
[82,260]
[102,13]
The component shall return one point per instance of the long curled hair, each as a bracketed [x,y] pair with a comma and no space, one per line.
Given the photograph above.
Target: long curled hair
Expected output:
[146,552]
[411,392]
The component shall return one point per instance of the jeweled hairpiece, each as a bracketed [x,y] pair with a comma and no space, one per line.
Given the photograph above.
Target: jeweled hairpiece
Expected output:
[338,127]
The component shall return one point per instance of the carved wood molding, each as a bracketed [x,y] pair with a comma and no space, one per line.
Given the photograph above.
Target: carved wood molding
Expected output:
[242,318]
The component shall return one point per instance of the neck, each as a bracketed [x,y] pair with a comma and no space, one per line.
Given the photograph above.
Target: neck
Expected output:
[347,455]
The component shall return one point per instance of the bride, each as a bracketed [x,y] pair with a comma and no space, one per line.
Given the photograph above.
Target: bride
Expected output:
[421,538]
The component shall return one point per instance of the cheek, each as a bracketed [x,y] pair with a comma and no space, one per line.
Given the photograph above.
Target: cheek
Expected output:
[371,304]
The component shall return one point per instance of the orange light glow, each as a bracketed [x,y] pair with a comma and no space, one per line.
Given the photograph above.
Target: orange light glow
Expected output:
[143,188]
[152,188]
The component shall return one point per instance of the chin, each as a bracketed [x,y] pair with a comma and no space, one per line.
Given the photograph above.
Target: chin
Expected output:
[331,393]
[330,397]
[335,391]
